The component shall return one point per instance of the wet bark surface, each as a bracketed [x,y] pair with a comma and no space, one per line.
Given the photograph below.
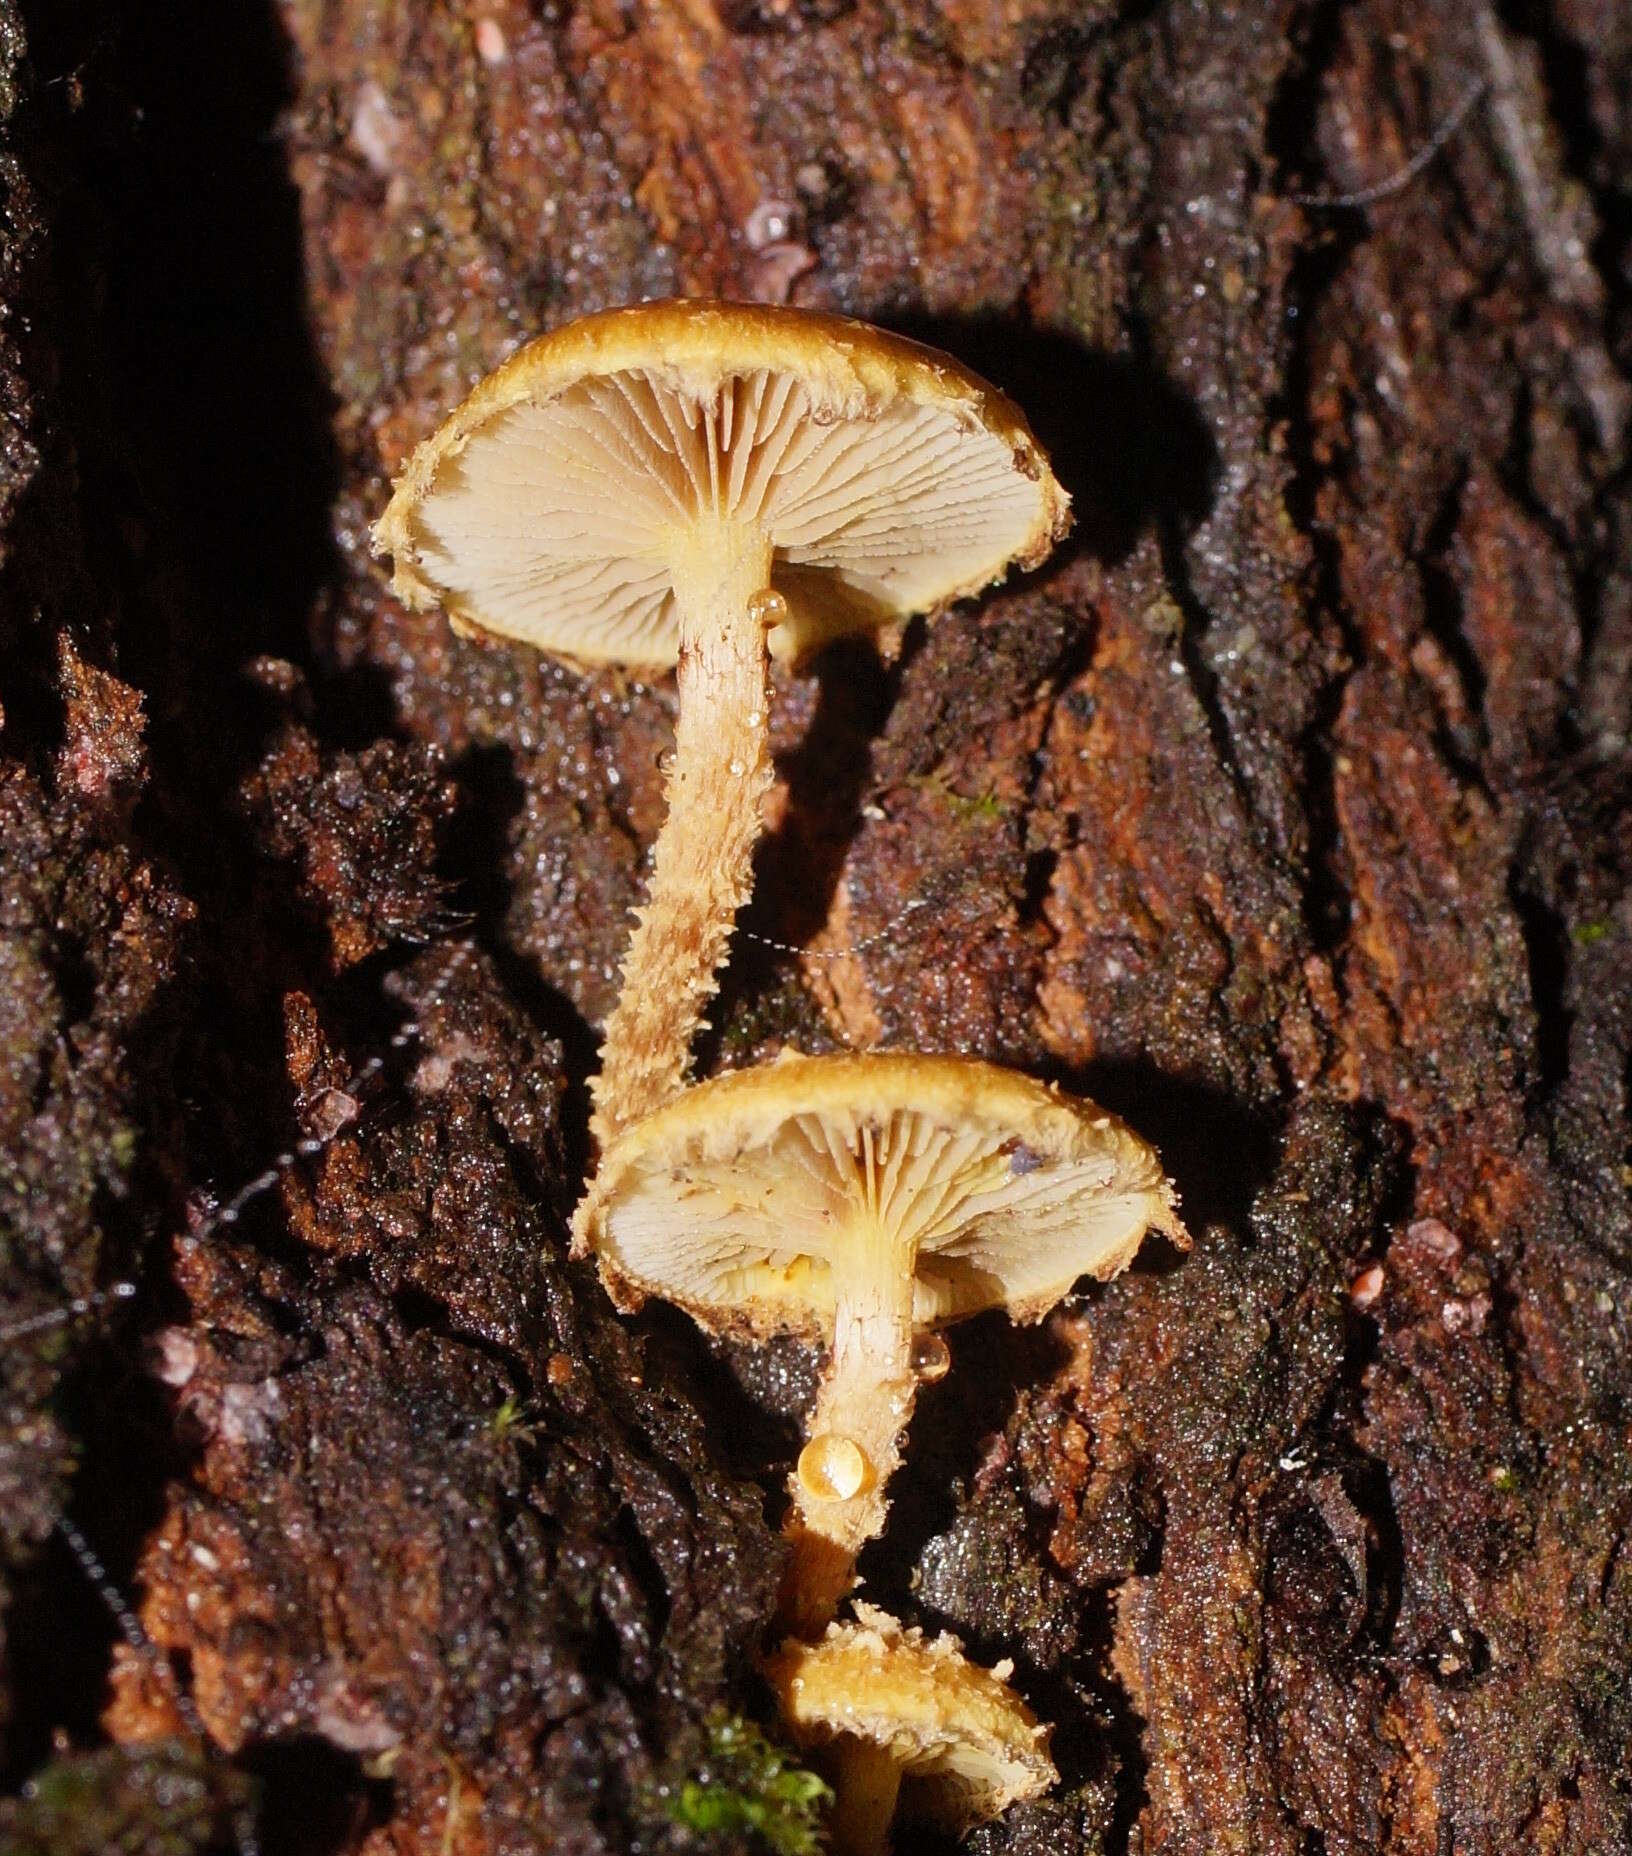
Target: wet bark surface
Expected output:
[1286,812]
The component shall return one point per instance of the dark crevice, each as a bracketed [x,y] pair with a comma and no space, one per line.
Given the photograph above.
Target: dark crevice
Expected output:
[1566,75]
[1292,121]
[1054,72]
[1290,136]
[1547,950]
[1366,1484]
[191,406]
[1172,522]
[1127,1738]
[1464,742]
[1604,587]
[1386,1145]
[316,1799]
[1584,549]
[1037,885]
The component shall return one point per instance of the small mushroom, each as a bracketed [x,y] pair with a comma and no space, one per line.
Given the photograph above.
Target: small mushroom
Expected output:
[911,1718]
[694,483]
[866,1200]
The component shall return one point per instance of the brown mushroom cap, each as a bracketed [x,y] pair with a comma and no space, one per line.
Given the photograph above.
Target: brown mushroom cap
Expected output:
[701,483]
[863,1200]
[886,478]
[729,1200]
[965,1745]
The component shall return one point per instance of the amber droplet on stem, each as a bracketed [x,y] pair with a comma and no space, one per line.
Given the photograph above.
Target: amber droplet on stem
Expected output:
[931,1357]
[833,1468]
[768,608]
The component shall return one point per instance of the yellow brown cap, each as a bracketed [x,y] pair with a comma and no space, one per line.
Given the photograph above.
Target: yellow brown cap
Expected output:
[731,1200]
[887,478]
[964,1743]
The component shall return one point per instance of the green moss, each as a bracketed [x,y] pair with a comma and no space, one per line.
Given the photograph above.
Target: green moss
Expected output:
[159,1800]
[514,1418]
[747,1785]
[981,809]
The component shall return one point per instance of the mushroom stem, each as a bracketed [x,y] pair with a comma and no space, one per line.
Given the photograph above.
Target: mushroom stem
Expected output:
[702,865]
[865,1400]
[866,1783]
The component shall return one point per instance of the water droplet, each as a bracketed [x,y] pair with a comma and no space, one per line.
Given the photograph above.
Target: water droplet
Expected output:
[833,1468]
[665,762]
[755,719]
[768,608]
[931,1358]
[738,769]
[769,222]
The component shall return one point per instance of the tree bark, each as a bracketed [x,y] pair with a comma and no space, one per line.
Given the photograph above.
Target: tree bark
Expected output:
[1285,812]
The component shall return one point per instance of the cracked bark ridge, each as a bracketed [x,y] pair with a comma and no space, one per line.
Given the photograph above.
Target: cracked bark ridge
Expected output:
[447,1518]
[349,819]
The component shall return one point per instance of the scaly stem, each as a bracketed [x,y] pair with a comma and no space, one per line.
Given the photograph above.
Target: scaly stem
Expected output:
[703,864]
[866,1397]
[866,1781]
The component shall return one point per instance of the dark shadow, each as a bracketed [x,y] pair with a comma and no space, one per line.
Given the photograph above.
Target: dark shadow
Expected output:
[827,775]
[748,1435]
[59,1644]
[476,858]
[1219,1153]
[199,418]
[190,400]
[59,1630]
[1131,448]
[797,867]
[185,213]
[315,1799]
[993,1361]
[199,410]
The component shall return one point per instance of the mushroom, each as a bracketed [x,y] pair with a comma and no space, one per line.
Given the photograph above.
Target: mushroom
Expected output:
[865,1200]
[909,1716]
[694,483]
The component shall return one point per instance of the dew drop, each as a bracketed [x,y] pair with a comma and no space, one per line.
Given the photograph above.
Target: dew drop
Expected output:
[931,1357]
[768,608]
[738,769]
[832,1468]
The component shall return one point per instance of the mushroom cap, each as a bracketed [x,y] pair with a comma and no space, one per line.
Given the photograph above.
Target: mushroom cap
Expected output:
[735,1200]
[967,1745]
[889,479]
